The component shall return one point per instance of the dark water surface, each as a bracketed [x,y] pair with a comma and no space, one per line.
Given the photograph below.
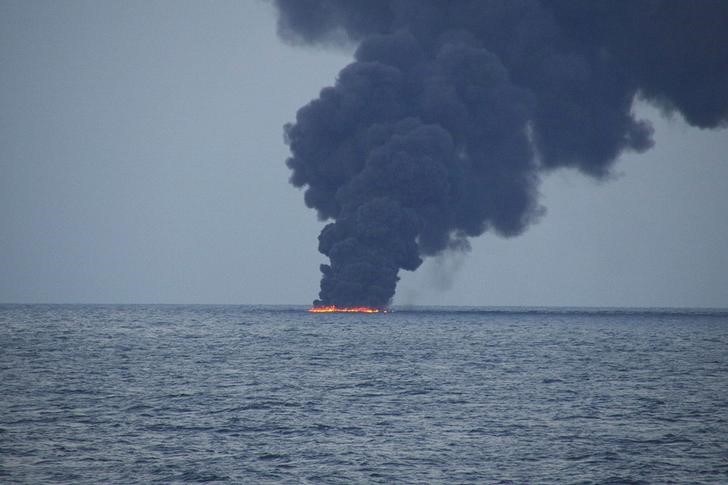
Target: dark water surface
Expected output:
[245,394]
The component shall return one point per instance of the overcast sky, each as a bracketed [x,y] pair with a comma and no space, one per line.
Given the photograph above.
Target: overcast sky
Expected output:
[142,160]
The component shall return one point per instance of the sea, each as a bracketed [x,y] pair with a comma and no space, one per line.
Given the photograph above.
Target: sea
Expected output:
[120,394]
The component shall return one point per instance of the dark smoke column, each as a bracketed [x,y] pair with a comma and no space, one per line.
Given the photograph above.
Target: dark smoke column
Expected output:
[440,128]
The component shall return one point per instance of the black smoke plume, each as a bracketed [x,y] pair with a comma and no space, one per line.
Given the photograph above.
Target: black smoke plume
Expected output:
[439,129]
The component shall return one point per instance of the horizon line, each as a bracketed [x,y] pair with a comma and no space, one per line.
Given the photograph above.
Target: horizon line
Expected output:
[395,306]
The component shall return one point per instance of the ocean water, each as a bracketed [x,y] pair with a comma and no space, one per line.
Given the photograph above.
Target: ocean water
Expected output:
[253,394]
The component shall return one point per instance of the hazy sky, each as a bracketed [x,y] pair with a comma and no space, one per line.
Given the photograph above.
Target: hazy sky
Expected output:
[142,160]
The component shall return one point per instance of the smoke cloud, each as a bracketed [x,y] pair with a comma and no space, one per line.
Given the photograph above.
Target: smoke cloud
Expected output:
[440,128]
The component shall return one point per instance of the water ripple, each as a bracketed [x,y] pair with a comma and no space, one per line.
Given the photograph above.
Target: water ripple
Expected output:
[160,394]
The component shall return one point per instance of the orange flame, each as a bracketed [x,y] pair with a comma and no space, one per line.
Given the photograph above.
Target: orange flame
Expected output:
[336,309]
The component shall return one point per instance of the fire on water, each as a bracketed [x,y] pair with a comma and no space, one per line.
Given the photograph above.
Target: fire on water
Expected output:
[337,309]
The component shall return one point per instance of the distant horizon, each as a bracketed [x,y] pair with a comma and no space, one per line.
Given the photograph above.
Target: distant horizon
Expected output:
[506,308]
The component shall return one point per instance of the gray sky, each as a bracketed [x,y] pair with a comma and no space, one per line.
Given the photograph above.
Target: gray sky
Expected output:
[142,160]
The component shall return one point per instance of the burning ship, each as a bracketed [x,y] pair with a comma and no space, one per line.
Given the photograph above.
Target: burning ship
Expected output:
[338,309]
